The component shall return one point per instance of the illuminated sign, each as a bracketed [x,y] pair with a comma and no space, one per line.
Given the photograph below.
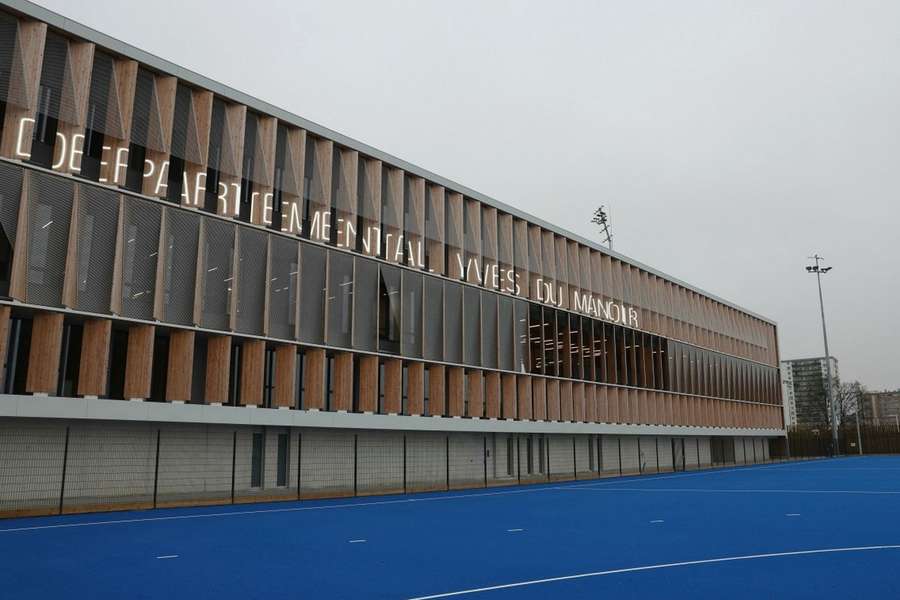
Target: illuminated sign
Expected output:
[374,241]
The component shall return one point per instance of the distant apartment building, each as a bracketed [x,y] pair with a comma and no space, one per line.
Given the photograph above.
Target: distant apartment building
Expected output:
[803,389]
[882,407]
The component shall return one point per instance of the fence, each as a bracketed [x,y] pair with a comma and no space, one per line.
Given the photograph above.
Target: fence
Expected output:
[816,440]
[56,467]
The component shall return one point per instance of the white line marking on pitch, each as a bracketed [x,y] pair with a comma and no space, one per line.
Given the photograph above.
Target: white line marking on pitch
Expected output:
[654,567]
[743,469]
[167,556]
[514,530]
[740,491]
[357,541]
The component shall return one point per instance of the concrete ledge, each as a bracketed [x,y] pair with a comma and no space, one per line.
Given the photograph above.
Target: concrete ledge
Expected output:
[55,407]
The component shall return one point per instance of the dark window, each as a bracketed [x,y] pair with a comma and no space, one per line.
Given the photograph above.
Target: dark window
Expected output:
[298,379]
[159,369]
[529,451]
[329,381]
[426,393]
[17,354]
[256,460]
[404,389]
[269,378]
[234,375]
[69,360]
[118,353]
[542,455]
[283,454]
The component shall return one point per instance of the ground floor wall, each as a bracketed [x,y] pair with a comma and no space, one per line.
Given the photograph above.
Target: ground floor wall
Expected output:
[50,466]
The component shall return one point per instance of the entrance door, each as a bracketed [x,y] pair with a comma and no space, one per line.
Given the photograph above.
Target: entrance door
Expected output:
[678,462]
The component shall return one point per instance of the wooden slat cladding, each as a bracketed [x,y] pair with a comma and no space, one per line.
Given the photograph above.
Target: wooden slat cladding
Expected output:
[43,358]
[139,361]
[94,357]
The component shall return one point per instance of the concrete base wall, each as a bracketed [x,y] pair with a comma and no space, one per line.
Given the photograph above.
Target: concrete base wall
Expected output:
[52,466]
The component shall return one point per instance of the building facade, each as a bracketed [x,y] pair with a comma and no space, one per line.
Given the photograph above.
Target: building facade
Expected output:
[206,298]
[882,408]
[803,389]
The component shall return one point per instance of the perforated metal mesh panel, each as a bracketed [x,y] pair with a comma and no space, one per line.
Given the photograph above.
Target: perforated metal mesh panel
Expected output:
[185,137]
[53,75]
[110,464]
[206,475]
[326,463]
[282,287]
[140,249]
[379,460]
[98,214]
[146,124]
[182,233]
[218,258]
[10,198]
[104,115]
[32,466]
[647,452]
[50,211]
[466,460]
[8,59]
[426,461]
[251,280]
[630,454]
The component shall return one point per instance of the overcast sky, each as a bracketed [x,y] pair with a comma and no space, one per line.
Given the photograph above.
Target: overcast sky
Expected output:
[731,139]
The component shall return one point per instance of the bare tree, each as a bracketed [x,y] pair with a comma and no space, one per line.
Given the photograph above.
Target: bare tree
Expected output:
[849,397]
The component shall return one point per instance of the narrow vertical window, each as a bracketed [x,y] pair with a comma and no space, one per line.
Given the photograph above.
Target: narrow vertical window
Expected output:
[283,454]
[256,461]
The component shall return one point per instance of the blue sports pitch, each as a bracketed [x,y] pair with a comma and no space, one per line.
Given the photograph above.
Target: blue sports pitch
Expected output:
[791,530]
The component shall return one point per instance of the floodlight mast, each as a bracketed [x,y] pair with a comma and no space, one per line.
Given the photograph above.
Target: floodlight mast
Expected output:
[601,219]
[820,270]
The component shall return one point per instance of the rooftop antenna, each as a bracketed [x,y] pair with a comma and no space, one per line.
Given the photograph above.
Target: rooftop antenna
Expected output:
[601,219]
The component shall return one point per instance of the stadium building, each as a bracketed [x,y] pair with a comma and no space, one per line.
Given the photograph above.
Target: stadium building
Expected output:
[206,299]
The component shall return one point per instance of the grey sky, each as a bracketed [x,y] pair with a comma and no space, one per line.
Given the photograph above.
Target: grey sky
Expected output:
[731,139]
